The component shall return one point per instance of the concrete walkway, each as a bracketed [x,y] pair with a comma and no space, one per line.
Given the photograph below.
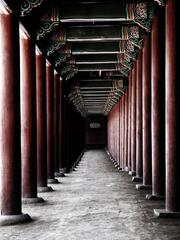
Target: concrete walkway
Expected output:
[94,202]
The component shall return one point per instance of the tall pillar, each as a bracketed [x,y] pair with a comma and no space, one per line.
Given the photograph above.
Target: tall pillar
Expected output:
[172,120]
[50,122]
[123,133]
[120,135]
[146,113]
[158,106]
[129,122]
[28,121]
[139,166]
[126,131]
[117,133]
[41,123]
[56,124]
[62,168]
[10,150]
[133,122]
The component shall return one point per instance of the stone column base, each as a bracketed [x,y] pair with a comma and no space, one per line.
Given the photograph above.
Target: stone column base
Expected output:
[163,213]
[6,220]
[62,170]
[132,173]
[120,169]
[52,181]
[59,174]
[127,169]
[154,197]
[44,189]
[143,187]
[32,200]
[137,179]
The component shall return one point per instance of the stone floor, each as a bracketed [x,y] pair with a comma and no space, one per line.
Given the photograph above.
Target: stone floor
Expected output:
[95,202]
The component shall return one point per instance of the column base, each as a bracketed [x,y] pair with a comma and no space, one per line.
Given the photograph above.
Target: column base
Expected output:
[163,213]
[6,220]
[143,187]
[53,181]
[32,200]
[132,173]
[59,174]
[154,197]
[137,179]
[45,189]
[62,170]
[120,168]
[127,169]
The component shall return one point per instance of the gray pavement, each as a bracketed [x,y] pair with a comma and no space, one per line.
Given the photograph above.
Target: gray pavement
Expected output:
[95,202]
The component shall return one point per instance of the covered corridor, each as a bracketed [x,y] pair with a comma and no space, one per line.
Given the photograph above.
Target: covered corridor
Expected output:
[84,84]
[93,202]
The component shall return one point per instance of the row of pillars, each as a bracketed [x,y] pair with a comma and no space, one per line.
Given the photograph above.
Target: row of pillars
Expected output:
[144,126]
[37,135]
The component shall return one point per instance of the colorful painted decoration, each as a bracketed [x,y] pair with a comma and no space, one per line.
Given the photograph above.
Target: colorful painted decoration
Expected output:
[28,5]
[61,59]
[71,74]
[122,46]
[136,11]
[75,96]
[161,2]
[124,70]
[45,27]
[116,92]
[48,21]
[68,68]
[130,46]
[124,33]
[140,13]
[137,42]
[133,32]
[131,55]
[54,46]
[124,60]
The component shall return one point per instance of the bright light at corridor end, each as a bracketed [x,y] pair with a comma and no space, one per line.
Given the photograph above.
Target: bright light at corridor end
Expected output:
[4,8]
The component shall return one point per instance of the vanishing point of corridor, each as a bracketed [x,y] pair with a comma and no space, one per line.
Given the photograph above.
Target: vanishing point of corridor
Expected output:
[95,201]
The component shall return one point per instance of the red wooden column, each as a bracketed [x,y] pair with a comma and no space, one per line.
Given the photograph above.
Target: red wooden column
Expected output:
[172,120]
[133,122]
[146,113]
[117,132]
[129,122]
[61,128]
[50,122]
[139,166]
[28,120]
[158,106]
[123,133]
[120,135]
[10,150]
[41,123]
[56,124]
[126,131]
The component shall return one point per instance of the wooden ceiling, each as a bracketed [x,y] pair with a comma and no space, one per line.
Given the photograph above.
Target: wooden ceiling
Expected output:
[91,43]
